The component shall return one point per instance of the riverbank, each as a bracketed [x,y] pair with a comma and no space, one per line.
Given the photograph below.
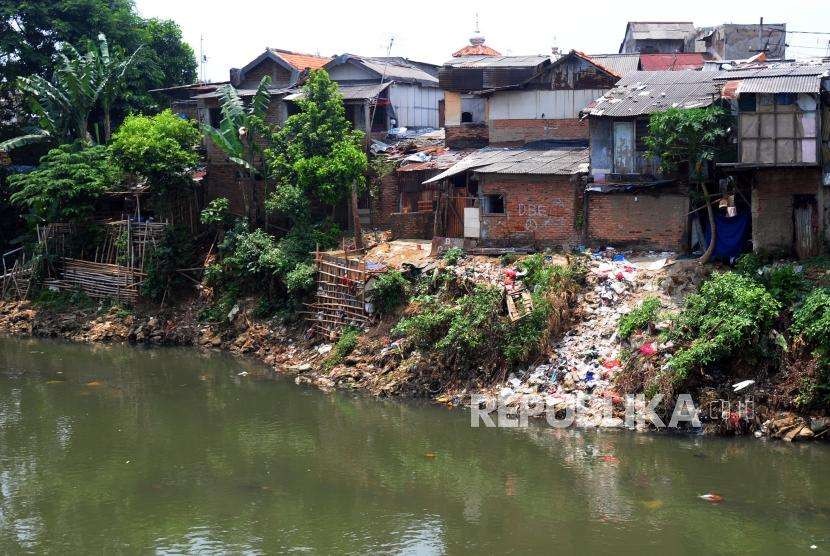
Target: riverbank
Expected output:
[585,362]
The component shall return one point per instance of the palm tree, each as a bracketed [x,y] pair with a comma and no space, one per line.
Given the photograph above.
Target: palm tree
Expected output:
[239,137]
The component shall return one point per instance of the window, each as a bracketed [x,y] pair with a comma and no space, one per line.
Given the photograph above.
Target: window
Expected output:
[493,204]
[466,117]
[781,129]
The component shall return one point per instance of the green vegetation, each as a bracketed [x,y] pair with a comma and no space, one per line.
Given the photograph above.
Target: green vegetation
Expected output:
[639,318]
[240,136]
[389,292]
[811,321]
[730,313]
[469,329]
[453,255]
[160,148]
[173,252]
[316,157]
[36,32]
[66,183]
[62,301]
[343,347]
[217,214]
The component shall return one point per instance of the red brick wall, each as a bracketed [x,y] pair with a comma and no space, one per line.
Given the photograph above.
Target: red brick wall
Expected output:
[466,136]
[519,132]
[412,225]
[221,181]
[385,205]
[772,204]
[639,220]
[540,208]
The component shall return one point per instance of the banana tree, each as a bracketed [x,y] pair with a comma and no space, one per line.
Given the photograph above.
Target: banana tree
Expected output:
[63,104]
[110,72]
[240,135]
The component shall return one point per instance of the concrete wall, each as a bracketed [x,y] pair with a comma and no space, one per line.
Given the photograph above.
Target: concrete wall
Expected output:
[649,221]
[539,208]
[280,76]
[772,204]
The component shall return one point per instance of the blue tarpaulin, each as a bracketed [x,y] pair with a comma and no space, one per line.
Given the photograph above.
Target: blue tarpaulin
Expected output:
[731,236]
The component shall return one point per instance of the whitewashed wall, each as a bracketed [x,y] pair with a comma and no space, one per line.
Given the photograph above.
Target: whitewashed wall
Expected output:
[551,105]
[415,106]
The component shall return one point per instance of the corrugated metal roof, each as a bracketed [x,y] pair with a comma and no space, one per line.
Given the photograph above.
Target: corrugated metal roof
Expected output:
[785,84]
[618,63]
[498,61]
[645,92]
[666,30]
[536,158]
[777,70]
[398,71]
[351,92]
[243,93]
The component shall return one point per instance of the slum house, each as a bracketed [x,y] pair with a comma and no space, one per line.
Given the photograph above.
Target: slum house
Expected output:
[783,139]
[629,201]
[286,70]
[385,93]
[546,106]
[528,196]
[473,69]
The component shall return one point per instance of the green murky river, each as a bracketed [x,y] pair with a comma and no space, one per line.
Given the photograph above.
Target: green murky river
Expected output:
[117,450]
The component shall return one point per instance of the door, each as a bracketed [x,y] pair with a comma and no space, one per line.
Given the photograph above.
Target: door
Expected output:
[624,147]
[805,226]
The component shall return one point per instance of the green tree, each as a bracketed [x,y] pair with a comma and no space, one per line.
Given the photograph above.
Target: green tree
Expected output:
[240,136]
[109,73]
[694,136]
[160,148]
[64,104]
[32,31]
[66,183]
[316,155]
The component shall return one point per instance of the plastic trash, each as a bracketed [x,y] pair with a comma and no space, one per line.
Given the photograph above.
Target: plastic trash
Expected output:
[711,497]
[648,349]
[743,385]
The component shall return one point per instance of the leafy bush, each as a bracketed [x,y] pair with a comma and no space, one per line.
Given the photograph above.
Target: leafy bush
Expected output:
[731,312]
[749,264]
[343,347]
[174,251]
[62,301]
[453,255]
[217,213]
[161,148]
[300,279]
[389,292]
[785,284]
[639,318]
[66,183]
[523,339]
[542,276]
[811,321]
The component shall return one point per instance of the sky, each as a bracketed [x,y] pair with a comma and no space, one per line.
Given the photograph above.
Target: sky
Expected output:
[237,31]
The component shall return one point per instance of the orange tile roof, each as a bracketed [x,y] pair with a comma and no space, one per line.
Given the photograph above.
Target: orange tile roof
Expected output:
[302,61]
[475,50]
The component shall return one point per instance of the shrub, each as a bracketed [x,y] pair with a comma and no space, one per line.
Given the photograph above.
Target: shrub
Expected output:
[453,255]
[343,347]
[811,321]
[300,279]
[749,264]
[523,339]
[785,284]
[217,213]
[389,292]
[174,251]
[66,183]
[639,318]
[731,312]
[160,148]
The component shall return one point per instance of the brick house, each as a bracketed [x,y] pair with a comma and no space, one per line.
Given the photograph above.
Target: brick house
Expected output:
[528,195]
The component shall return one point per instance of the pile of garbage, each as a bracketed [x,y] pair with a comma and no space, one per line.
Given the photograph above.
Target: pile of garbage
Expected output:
[581,366]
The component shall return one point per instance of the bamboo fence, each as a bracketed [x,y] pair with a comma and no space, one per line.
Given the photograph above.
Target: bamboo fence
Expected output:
[340,299]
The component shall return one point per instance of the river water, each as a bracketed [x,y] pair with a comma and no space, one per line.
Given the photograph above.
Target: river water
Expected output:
[121,450]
